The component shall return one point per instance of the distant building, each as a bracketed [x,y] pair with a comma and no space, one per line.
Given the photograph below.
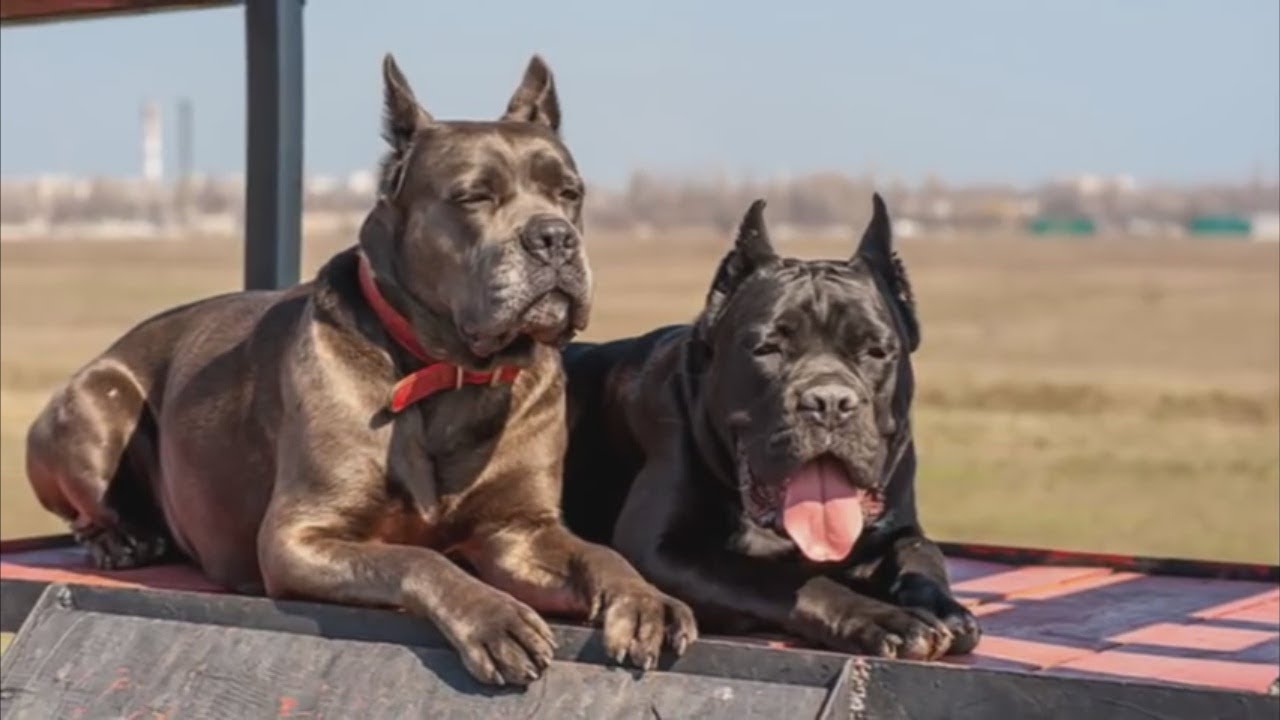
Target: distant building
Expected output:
[1265,227]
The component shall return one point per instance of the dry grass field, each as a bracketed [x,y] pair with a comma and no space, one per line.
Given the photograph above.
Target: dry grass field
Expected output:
[1103,395]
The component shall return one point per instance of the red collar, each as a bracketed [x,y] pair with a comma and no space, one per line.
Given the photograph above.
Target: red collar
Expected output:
[435,375]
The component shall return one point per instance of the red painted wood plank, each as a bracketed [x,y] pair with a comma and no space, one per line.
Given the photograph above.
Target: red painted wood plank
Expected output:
[1267,613]
[1195,637]
[1058,620]
[983,662]
[1099,613]
[70,565]
[1261,608]
[991,608]
[1025,579]
[1029,652]
[962,569]
[1073,586]
[55,557]
[1254,677]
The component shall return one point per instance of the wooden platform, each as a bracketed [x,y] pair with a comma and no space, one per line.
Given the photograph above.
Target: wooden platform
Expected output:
[1082,619]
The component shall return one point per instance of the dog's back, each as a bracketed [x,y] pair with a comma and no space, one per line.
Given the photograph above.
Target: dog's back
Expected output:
[604,454]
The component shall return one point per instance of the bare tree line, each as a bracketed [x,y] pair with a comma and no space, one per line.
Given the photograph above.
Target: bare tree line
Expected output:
[659,203]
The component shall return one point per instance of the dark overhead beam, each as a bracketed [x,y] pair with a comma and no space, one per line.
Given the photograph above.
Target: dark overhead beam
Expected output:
[21,12]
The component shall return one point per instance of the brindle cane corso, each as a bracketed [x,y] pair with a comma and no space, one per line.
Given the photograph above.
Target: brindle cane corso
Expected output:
[759,464]
[349,438]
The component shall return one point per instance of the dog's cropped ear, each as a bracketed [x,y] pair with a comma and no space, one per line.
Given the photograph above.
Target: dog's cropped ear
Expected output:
[751,250]
[535,100]
[876,251]
[402,116]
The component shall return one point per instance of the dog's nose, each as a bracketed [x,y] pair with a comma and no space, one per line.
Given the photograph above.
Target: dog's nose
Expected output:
[549,238]
[829,405]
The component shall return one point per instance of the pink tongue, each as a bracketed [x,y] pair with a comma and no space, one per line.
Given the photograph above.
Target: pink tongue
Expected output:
[822,512]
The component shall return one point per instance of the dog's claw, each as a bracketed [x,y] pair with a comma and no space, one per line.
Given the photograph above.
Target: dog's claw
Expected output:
[121,547]
[893,647]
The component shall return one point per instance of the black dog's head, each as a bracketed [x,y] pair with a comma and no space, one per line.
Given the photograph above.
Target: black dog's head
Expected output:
[807,379]
[477,230]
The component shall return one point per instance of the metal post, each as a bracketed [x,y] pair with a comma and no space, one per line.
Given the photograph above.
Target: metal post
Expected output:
[273,188]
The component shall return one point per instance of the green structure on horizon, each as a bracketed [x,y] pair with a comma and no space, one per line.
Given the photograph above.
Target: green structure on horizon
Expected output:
[1062,225]
[1220,224]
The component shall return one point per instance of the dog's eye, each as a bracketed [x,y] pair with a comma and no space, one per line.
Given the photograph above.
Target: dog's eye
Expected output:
[473,199]
[570,195]
[765,349]
[875,352]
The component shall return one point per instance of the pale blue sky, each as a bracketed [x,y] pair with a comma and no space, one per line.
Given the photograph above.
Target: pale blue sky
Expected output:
[983,90]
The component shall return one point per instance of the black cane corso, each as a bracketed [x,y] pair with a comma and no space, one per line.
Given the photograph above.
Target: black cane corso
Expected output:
[352,437]
[759,464]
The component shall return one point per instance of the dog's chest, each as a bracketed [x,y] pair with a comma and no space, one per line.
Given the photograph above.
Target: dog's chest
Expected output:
[407,523]
[410,512]
[435,455]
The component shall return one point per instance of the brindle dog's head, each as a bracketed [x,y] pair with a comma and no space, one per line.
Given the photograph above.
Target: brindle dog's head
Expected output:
[806,374]
[476,235]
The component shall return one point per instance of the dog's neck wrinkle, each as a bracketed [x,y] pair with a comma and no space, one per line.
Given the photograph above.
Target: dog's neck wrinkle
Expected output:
[342,305]
[433,331]
[421,319]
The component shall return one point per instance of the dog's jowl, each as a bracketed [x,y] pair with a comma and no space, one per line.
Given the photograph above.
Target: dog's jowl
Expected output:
[352,437]
[759,463]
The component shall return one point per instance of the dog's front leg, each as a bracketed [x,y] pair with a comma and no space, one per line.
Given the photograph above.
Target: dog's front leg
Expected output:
[678,540]
[917,578]
[783,595]
[553,570]
[306,551]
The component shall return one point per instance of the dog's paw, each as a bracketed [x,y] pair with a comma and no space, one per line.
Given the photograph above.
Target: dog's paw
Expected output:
[501,640]
[833,615]
[891,632]
[122,547]
[919,593]
[964,627]
[637,617]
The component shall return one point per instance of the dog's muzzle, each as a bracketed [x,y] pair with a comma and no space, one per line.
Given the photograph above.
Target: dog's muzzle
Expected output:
[550,240]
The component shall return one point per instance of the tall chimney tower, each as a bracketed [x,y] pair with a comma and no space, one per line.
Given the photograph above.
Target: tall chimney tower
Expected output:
[152,143]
